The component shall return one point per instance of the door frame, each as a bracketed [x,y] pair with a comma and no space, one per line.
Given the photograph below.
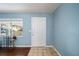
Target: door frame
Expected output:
[45,29]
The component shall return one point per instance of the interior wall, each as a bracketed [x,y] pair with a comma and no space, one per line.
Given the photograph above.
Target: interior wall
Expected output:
[66,29]
[26,39]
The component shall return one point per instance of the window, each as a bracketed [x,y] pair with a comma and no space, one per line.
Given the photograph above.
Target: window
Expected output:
[11,27]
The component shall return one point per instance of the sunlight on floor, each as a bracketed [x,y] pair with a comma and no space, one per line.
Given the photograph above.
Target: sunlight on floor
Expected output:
[42,51]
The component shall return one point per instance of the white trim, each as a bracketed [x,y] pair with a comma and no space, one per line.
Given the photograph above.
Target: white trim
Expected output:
[11,19]
[31,29]
[22,45]
[54,49]
[45,31]
[5,46]
[49,46]
[18,46]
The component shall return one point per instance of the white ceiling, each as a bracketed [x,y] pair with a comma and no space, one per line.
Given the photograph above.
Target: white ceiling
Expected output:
[28,7]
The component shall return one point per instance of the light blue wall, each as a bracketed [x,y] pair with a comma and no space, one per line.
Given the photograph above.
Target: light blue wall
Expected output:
[66,29]
[26,39]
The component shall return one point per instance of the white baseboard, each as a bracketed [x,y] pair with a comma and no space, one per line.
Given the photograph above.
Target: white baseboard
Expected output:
[54,49]
[49,46]
[22,46]
[57,51]
[18,46]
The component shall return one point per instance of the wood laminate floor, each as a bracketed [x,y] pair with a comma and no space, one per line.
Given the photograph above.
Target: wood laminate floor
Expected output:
[22,51]
[42,51]
[19,51]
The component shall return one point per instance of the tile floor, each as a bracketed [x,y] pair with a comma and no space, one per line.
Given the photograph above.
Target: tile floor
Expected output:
[42,51]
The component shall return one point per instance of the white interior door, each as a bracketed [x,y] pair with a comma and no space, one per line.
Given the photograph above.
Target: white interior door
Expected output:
[38,34]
